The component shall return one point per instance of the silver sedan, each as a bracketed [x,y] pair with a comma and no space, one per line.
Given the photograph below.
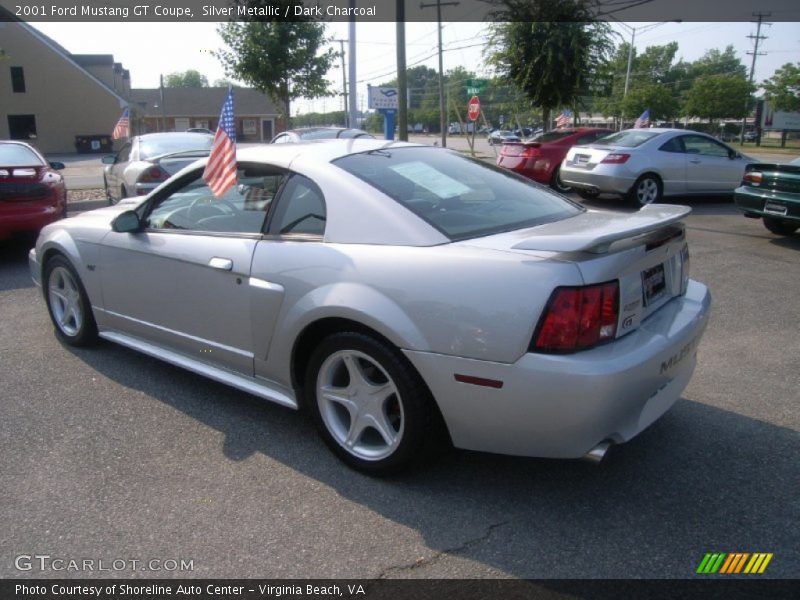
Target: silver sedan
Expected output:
[644,165]
[401,293]
[146,161]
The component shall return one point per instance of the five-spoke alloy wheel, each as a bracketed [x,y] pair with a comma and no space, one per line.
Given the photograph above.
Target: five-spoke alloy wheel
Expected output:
[372,408]
[646,190]
[68,303]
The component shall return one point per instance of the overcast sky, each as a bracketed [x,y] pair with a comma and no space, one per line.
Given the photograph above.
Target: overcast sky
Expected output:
[150,49]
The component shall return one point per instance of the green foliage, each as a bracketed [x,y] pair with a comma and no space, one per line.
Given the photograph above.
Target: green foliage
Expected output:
[284,59]
[187,79]
[718,96]
[663,106]
[783,88]
[714,62]
[552,52]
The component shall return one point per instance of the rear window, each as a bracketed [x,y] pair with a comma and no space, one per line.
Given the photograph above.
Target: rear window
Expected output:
[552,136]
[169,145]
[630,138]
[459,196]
[14,155]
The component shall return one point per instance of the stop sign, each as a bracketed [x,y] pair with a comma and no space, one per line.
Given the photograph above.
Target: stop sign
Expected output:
[474,108]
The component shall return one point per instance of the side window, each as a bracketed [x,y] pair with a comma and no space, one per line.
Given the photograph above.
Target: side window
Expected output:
[704,146]
[300,209]
[243,208]
[674,145]
[124,154]
[282,139]
[586,139]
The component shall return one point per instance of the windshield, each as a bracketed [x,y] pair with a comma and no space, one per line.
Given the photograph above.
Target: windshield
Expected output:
[459,196]
[630,138]
[15,155]
[149,147]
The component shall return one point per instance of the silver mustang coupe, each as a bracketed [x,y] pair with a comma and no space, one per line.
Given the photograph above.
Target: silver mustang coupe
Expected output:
[400,293]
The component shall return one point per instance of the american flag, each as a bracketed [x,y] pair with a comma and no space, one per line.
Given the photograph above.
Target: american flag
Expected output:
[123,127]
[643,121]
[564,118]
[220,171]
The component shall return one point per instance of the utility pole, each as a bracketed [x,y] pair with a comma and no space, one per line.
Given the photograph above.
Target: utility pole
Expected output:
[402,84]
[757,37]
[353,116]
[344,81]
[442,112]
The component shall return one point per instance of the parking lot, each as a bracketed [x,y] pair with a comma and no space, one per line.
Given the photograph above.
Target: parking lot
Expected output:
[109,454]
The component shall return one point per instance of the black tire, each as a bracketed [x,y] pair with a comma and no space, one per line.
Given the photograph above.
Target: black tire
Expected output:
[109,197]
[123,193]
[557,184]
[586,194]
[68,304]
[407,413]
[779,226]
[648,189]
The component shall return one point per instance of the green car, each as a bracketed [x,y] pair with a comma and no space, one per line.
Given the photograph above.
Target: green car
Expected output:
[771,192]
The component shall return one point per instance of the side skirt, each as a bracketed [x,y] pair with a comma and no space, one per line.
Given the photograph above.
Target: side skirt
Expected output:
[258,387]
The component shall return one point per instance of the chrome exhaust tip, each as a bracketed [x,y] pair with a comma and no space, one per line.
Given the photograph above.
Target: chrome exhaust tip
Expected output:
[598,453]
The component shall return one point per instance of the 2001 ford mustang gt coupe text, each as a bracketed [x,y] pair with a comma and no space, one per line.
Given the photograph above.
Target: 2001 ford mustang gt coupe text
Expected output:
[396,291]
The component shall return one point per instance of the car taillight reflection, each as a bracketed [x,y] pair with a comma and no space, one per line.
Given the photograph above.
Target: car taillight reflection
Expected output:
[578,318]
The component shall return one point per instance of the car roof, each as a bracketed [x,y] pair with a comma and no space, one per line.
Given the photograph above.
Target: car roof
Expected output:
[318,150]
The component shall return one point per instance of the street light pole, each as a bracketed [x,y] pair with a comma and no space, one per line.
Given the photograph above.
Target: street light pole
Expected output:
[442,112]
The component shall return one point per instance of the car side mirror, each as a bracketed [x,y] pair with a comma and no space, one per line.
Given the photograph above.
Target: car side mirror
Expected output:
[58,166]
[127,222]
[733,154]
[109,160]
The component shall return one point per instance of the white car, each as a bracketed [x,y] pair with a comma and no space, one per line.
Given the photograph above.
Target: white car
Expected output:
[397,291]
[644,165]
[146,161]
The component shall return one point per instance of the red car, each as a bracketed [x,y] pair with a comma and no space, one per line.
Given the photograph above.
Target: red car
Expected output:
[540,158]
[32,192]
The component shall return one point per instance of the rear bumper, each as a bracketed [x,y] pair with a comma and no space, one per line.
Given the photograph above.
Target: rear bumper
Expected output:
[752,201]
[539,169]
[561,406]
[28,217]
[602,179]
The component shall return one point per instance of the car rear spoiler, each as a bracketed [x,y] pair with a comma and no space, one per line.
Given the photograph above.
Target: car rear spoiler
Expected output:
[595,231]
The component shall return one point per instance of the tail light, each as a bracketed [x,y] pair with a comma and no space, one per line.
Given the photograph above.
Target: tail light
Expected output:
[578,318]
[616,158]
[154,174]
[754,178]
[684,268]
[531,152]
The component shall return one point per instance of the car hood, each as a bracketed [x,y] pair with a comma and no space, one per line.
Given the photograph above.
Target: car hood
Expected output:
[590,231]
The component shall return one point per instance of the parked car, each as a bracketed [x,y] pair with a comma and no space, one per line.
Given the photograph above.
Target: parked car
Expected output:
[540,158]
[771,192]
[750,136]
[32,191]
[399,292]
[501,136]
[146,161]
[644,165]
[304,134]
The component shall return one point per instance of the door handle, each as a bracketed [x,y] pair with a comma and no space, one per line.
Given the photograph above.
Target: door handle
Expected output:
[696,161]
[223,264]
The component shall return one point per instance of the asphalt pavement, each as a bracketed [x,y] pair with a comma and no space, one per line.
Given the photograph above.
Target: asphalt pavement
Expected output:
[109,454]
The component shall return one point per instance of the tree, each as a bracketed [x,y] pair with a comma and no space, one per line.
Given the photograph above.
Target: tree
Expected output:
[783,88]
[718,96]
[223,82]
[284,59]
[714,62]
[187,79]
[551,51]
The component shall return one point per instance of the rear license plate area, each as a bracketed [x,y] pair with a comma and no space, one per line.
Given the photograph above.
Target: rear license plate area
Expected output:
[654,284]
[774,208]
[581,160]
